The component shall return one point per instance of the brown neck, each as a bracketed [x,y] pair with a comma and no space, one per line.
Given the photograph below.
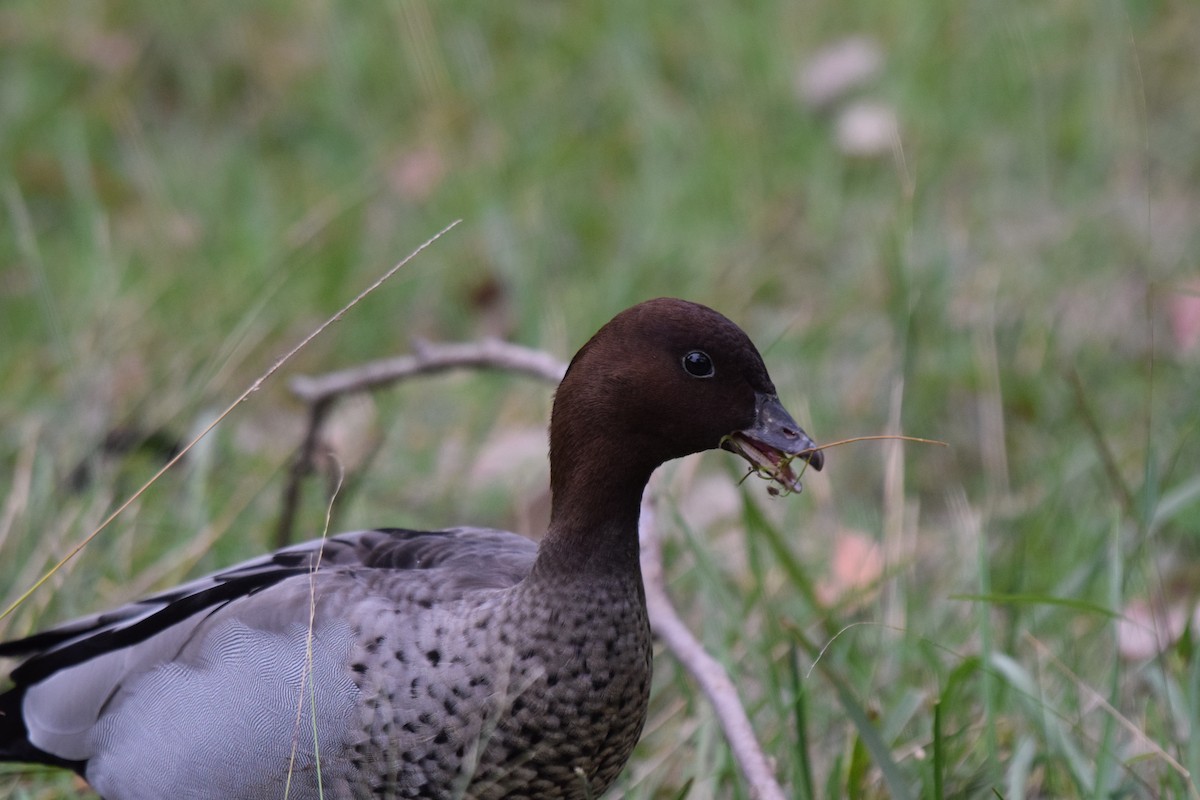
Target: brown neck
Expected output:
[594,511]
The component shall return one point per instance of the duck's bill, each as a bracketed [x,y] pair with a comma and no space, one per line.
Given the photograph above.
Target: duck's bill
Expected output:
[773,443]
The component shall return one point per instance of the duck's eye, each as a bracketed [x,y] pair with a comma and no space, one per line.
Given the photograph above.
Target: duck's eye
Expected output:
[698,364]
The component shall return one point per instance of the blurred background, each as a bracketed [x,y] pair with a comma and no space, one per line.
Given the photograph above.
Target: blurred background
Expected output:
[973,222]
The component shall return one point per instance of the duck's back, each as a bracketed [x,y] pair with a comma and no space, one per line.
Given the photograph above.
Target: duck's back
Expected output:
[431,670]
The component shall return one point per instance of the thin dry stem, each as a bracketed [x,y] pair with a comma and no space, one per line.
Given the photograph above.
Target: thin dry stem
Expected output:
[306,677]
[254,387]
[17,499]
[1125,722]
[895,506]
[882,437]
[1107,458]
[776,473]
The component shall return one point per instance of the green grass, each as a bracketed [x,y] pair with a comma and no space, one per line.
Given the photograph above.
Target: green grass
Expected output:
[185,192]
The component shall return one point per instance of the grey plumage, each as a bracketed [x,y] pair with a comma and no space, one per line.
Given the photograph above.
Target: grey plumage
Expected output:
[443,688]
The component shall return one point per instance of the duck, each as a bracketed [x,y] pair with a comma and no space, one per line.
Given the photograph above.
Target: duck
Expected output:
[393,663]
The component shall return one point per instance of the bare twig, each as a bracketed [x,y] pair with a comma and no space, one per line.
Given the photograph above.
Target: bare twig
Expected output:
[322,391]
[430,357]
[301,465]
[707,671]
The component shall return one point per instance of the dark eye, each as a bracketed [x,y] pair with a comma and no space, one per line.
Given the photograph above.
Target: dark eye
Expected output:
[698,364]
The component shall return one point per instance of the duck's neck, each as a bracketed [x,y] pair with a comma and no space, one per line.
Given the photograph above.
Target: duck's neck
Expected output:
[596,500]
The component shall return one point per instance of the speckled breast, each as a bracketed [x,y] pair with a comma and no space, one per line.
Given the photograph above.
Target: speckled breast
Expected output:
[527,697]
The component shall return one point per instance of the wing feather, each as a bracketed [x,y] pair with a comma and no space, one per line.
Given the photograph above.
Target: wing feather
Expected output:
[72,671]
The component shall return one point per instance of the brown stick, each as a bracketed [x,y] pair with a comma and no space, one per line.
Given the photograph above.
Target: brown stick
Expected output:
[322,391]
[302,464]
[707,671]
[430,357]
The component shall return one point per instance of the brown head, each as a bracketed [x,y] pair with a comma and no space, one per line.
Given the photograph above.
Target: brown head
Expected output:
[661,380]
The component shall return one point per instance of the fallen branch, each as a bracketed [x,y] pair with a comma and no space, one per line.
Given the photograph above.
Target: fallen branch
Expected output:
[707,671]
[322,391]
[429,357]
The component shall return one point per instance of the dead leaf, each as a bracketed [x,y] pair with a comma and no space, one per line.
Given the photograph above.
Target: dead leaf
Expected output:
[1144,631]
[855,568]
[835,70]
[867,129]
[1183,314]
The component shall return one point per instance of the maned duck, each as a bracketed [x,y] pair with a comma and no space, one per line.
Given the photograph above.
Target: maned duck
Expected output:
[464,663]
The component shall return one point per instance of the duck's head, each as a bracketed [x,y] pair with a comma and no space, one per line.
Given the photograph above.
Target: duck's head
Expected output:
[664,379]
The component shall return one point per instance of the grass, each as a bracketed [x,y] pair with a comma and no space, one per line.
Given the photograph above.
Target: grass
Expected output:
[186,192]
